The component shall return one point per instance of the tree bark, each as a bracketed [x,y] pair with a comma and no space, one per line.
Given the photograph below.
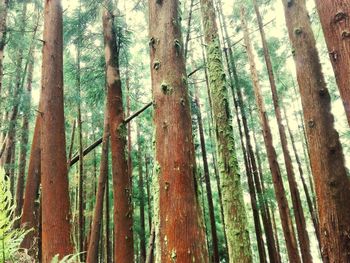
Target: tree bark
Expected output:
[123,233]
[214,237]
[142,201]
[300,222]
[179,232]
[92,252]
[287,225]
[54,179]
[24,140]
[326,156]
[334,17]
[234,210]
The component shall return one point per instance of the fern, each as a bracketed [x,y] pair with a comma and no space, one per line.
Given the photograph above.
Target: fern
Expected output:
[10,238]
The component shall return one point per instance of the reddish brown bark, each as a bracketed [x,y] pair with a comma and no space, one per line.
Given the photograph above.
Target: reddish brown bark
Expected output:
[178,223]
[326,156]
[335,21]
[30,217]
[300,222]
[283,206]
[54,180]
[123,233]
[92,252]
[24,140]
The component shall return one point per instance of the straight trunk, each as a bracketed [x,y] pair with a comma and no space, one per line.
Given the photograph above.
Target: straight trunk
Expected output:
[108,245]
[326,156]
[176,205]
[214,237]
[300,222]
[92,252]
[123,222]
[55,222]
[234,210]
[283,206]
[24,140]
[334,17]
[148,183]
[142,202]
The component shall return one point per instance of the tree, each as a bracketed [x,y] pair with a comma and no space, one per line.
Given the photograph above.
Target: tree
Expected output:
[283,206]
[54,180]
[123,234]
[179,229]
[3,20]
[92,252]
[296,200]
[327,161]
[334,17]
[234,210]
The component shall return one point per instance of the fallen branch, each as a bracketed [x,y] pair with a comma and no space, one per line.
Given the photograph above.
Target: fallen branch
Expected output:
[87,150]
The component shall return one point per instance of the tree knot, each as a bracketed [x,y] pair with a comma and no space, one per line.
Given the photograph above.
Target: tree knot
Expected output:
[345,34]
[339,17]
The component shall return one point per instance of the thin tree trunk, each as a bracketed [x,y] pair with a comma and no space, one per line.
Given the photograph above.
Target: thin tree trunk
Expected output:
[108,245]
[3,21]
[54,179]
[301,173]
[326,155]
[334,17]
[24,141]
[175,183]
[300,222]
[234,210]
[92,252]
[287,225]
[123,233]
[151,246]
[148,183]
[214,237]
[142,201]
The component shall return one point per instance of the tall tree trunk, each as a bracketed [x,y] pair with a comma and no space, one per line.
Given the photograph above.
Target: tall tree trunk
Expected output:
[176,206]
[148,183]
[214,237]
[108,245]
[16,98]
[301,173]
[24,140]
[54,179]
[30,214]
[92,253]
[326,155]
[287,225]
[234,210]
[334,17]
[3,20]
[123,233]
[141,200]
[300,222]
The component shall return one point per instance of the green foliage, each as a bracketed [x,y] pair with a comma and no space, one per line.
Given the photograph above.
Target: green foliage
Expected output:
[10,238]
[73,258]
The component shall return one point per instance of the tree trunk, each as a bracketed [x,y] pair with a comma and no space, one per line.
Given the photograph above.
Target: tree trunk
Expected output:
[215,245]
[234,210]
[92,252]
[326,156]
[123,233]
[287,225]
[108,245]
[24,140]
[30,214]
[54,179]
[300,222]
[334,17]
[176,206]
[148,183]
[142,201]
[3,20]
